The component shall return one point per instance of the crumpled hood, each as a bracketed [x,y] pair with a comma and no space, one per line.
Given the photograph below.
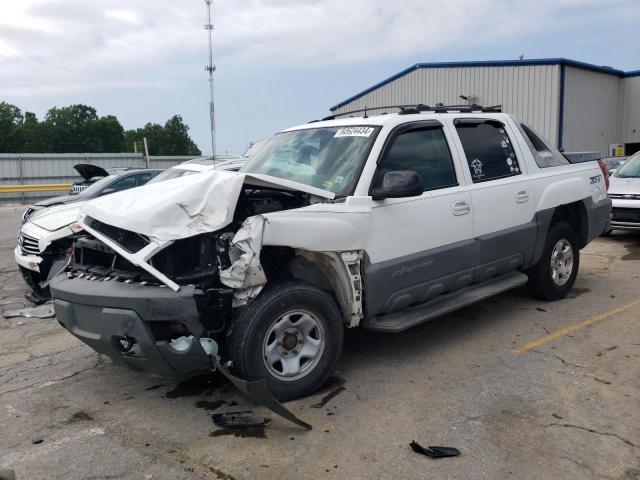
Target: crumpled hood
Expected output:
[57,217]
[185,206]
[621,185]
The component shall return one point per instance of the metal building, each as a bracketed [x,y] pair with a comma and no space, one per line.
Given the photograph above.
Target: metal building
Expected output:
[575,105]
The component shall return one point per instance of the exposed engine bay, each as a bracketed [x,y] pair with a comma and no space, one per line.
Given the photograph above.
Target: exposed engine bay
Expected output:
[194,261]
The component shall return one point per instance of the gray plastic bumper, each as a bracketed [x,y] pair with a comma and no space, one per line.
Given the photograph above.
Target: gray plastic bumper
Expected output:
[599,218]
[101,314]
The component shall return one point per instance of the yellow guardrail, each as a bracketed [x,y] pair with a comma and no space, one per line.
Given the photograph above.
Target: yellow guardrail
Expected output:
[53,187]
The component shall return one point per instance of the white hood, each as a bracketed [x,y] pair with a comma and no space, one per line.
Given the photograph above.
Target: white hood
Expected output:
[185,206]
[55,218]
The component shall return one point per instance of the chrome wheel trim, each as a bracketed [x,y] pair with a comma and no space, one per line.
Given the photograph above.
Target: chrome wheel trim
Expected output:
[293,345]
[561,262]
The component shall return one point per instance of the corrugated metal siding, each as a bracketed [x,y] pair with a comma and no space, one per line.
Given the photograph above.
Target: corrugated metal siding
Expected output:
[631,109]
[530,92]
[45,168]
[592,110]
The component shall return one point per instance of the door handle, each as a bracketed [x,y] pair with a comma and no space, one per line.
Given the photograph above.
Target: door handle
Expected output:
[461,208]
[522,196]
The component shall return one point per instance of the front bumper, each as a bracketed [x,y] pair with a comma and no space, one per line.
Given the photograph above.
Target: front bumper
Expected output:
[625,215]
[30,262]
[101,314]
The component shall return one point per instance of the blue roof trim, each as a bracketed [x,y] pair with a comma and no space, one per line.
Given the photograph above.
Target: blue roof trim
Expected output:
[491,63]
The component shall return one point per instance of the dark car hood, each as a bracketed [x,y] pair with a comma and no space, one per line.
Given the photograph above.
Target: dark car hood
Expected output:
[62,199]
[89,171]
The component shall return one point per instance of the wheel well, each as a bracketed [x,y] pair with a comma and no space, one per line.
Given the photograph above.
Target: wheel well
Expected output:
[316,268]
[575,215]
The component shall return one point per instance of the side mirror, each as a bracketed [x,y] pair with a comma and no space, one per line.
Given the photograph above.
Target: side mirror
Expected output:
[398,184]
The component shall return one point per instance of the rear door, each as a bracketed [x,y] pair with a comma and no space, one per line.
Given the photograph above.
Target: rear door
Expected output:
[501,194]
[419,247]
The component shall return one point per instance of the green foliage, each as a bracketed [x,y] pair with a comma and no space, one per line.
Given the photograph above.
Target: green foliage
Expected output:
[172,139]
[79,129]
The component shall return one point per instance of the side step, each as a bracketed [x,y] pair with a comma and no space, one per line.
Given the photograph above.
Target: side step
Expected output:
[399,321]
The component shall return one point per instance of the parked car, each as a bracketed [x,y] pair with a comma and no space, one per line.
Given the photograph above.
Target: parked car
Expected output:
[613,163]
[114,180]
[48,228]
[624,191]
[379,222]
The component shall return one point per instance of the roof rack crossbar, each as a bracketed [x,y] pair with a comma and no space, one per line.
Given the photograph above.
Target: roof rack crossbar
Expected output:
[419,108]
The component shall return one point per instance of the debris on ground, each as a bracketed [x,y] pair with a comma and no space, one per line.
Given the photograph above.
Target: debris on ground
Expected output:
[239,420]
[37,441]
[240,424]
[328,397]
[540,309]
[434,452]
[41,311]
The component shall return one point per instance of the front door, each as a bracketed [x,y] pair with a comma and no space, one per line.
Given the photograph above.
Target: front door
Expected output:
[423,246]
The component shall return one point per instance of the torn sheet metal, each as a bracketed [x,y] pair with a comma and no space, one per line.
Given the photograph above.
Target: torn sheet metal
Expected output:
[245,275]
[41,311]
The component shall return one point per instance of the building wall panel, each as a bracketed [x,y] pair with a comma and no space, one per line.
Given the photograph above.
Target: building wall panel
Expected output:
[631,109]
[592,110]
[530,92]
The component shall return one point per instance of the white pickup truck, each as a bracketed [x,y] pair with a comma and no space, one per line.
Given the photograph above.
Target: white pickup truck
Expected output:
[380,222]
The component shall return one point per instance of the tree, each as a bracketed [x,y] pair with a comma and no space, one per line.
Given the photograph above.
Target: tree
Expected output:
[79,129]
[172,139]
[10,122]
[71,129]
[176,138]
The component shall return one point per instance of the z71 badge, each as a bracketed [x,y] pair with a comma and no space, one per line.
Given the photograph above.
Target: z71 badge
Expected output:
[596,179]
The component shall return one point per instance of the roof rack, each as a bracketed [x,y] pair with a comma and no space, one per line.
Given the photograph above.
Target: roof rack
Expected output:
[419,108]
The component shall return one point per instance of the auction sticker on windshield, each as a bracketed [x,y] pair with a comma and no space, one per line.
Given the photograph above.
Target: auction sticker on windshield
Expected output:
[354,132]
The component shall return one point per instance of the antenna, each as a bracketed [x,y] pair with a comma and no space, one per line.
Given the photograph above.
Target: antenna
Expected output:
[211,68]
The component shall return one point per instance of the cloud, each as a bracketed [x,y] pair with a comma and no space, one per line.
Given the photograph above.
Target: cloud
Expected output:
[72,45]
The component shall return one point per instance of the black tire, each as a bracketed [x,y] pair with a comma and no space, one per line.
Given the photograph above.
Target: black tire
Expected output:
[246,337]
[541,282]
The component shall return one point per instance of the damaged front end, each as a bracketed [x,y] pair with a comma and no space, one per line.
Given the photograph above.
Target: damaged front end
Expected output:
[148,304]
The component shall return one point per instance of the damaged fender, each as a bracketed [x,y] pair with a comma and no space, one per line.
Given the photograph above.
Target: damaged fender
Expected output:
[245,275]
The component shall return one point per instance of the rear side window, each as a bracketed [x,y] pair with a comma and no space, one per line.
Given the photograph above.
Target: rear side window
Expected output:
[488,149]
[426,151]
[544,155]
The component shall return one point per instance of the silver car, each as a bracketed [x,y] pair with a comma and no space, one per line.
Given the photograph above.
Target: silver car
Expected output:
[624,191]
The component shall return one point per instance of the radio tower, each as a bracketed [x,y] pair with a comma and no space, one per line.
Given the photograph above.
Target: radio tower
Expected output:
[211,68]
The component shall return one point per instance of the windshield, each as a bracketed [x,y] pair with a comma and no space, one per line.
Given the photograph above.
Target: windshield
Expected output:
[97,186]
[171,173]
[630,168]
[327,158]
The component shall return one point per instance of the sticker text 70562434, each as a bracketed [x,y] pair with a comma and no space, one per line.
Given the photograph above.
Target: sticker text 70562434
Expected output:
[354,132]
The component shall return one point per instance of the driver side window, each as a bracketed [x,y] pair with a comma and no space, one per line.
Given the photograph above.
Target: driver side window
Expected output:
[424,150]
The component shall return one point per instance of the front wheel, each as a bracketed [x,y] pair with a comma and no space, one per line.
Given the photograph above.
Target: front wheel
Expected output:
[291,335]
[554,275]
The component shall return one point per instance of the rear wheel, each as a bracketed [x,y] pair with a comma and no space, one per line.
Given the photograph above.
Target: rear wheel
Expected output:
[554,275]
[291,335]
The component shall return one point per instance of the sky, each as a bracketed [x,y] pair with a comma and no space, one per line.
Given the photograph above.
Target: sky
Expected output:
[279,62]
